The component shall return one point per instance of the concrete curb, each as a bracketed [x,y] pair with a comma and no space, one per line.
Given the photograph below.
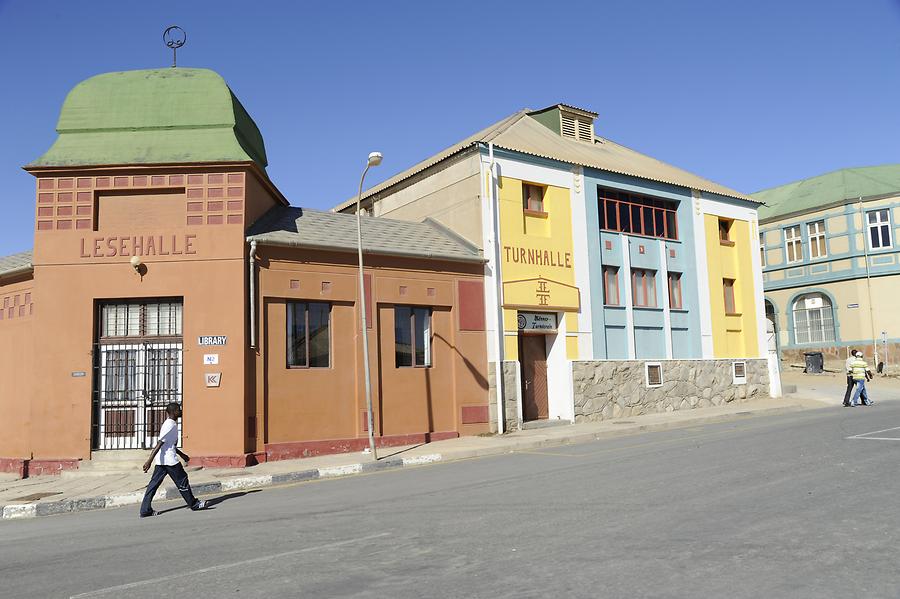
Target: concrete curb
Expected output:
[65,506]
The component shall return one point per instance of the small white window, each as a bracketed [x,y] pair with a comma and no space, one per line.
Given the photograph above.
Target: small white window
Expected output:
[653,374]
[793,245]
[739,373]
[816,233]
[879,229]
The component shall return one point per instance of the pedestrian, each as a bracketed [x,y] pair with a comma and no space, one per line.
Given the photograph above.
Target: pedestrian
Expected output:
[165,461]
[860,372]
[848,370]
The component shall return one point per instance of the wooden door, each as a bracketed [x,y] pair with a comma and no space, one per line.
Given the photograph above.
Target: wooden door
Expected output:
[533,356]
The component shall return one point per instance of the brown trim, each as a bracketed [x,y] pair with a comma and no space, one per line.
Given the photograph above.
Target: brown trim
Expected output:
[648,283]
[726,242]
[535,213]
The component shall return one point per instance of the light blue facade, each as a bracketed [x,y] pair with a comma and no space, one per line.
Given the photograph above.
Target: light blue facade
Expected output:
[605,248]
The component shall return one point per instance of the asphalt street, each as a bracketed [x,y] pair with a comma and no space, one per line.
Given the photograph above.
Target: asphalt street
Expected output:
[795,505]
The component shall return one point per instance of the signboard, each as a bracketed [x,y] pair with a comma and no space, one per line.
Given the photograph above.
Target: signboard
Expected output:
[212,340]
[537,321]
[210,359]
[79,374]
[813,302]
[213,379]
[853,305]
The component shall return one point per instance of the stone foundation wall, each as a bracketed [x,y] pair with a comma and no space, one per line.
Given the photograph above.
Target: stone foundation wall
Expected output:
[607,389]
[511,395]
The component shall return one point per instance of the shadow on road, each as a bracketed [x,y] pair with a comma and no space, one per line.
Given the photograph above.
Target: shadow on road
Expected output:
[211,503]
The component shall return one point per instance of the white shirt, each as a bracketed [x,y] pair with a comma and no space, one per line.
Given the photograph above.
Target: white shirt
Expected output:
[168,434]
[848,365]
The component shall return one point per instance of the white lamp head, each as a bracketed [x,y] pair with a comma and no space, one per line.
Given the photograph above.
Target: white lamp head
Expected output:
[136,262]
[375,158]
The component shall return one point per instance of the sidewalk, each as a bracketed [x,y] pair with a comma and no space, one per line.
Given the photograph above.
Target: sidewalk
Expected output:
[50,495]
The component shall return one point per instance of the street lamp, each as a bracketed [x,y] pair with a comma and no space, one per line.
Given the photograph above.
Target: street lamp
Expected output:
[374,160]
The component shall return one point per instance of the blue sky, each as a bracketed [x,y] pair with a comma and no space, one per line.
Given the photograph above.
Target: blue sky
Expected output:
[748,94]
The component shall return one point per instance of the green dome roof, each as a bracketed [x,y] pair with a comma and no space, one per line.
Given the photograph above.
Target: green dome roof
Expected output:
[158,116]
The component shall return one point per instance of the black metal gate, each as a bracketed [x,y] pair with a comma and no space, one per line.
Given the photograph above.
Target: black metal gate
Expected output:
[138,365]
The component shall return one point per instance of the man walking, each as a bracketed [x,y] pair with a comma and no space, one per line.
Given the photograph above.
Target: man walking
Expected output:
[848,369]
[860,372]
[165,461]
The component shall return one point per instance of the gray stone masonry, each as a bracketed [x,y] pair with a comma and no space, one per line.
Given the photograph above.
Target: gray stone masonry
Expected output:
[511,396]
[615,389]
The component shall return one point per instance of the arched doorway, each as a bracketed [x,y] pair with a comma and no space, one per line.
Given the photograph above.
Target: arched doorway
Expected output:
[771,327]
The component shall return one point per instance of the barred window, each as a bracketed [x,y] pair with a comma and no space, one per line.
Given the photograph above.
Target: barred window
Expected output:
[131,319]
[813,319]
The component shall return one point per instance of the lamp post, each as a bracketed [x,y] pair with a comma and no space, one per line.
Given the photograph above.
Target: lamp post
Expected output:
[374,160]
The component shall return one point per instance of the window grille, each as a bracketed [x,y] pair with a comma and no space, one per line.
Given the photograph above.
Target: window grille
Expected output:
[636,214]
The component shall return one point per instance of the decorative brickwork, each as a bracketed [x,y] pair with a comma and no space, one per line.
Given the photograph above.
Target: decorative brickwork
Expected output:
[67,203]
[16,305]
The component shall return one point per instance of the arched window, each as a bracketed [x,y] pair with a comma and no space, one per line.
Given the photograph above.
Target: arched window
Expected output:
[813,319]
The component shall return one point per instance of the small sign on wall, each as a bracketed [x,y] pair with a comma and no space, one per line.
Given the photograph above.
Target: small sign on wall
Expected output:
[210,359]
[213,379]
[536,321]
[853,305]
[212,340]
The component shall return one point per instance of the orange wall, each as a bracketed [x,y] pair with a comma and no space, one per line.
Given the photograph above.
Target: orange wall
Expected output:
[329,403]
[16,366]
[75,268]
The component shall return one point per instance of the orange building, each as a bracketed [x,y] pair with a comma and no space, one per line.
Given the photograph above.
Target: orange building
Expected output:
[168,267]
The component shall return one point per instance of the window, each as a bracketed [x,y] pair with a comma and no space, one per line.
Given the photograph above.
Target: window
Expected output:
[533,197]
[739,373]
[162,319]
[816,232]
[813,319]
[653,374]
[611,285]
[643,288]
[762,249]
[308,335]
[412,337]
[793,245]
[675,291]
[725,232]
[879,229]
[728,287]
[631,213]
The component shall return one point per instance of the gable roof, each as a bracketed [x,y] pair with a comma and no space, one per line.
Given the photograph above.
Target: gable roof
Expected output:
[16,264]
[156,116]
[290,226]
[519,132]
[832,188]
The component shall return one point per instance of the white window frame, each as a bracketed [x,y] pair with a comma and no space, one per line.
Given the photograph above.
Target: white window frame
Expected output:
[789,241]
[738,379]
[762,249]
[647,367]
[815,235]
[883,225]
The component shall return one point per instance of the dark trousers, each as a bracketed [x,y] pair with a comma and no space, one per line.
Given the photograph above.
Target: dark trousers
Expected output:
[178,476]
[850,385]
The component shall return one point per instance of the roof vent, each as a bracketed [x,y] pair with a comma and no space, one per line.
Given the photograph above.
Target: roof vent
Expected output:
[576,125]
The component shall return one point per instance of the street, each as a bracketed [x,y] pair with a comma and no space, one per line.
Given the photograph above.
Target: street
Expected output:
[780,506]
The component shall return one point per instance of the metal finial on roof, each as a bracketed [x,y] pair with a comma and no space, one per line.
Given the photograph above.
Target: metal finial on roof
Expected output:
[174,37]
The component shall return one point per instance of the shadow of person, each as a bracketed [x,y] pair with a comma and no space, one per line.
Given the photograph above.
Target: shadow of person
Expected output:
[211,503]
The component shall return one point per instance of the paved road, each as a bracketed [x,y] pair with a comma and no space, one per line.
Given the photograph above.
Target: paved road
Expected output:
[783,506]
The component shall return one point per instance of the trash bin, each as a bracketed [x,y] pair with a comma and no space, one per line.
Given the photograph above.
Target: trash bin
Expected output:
[815,362]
